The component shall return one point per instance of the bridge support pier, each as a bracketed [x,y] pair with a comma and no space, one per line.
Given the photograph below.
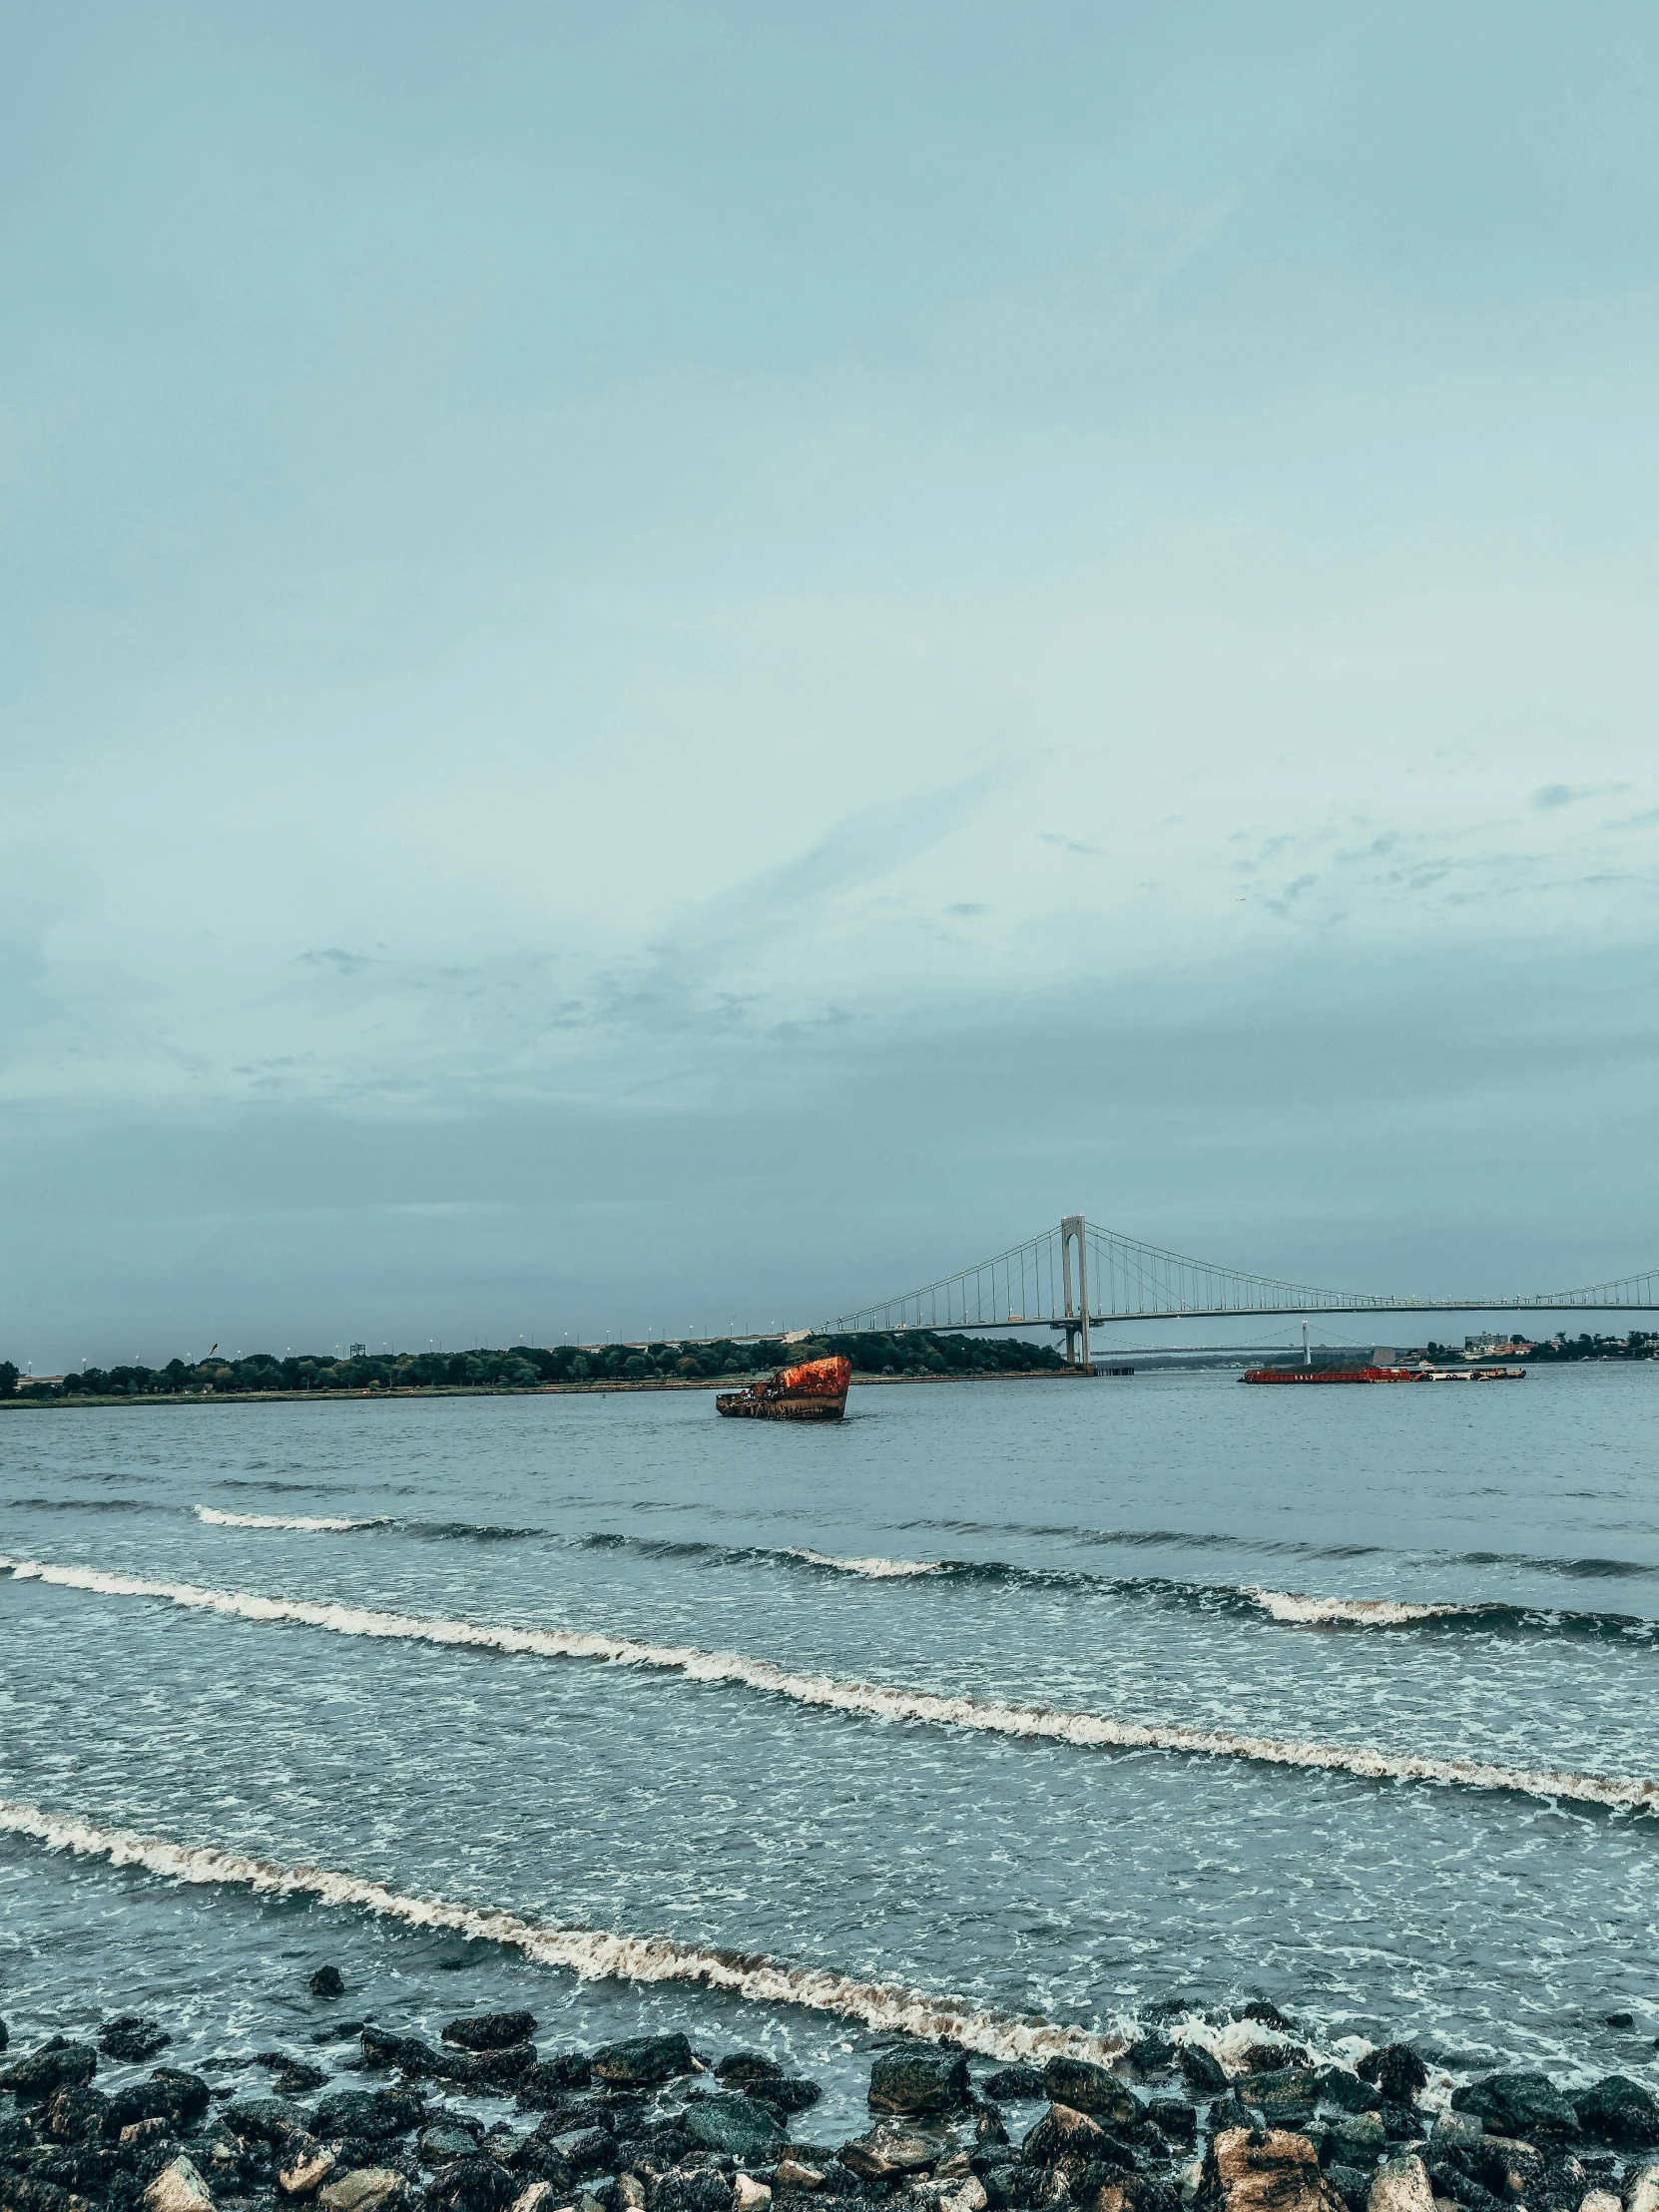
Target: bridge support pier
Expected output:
[1077,1317]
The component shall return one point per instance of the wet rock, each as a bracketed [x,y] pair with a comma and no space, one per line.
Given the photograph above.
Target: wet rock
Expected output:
[327,1981]
[5,2038]
[49,2067]
[1063,2133]
[129,2038]
[446,2141]
[373,2115]
[644,2061]
[1642,2192]
[406,2052]
[919,2084]
[363,2189]
[742,2069]
[79,2116]
[691,2192]
[489,2031]
[794,2173]
[177,2188]
[582,2150]
[1402,2185]
[888,2152]
[136,2134]
[1013,2084]
[968,2195]
[1517,2104]
[1270,2058]
[539,2197]
[1149,2054]
[1088,2088]
[1357,2139]
[1173,2118]
[1262,2170]
[748,2195]
[1396,2070]
[169,2095]
[263,2119]
[1601,2200]
[304,2166]
[791,2095]
[1206,2075]
[1266,2015]
[547,2083]
[1617,2111]
[1351,2184]
[741,2126]
[1345,2090]
[1458,2130]
[486,2070]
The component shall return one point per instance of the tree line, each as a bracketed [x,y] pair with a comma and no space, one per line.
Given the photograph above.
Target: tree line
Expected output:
[532,1367]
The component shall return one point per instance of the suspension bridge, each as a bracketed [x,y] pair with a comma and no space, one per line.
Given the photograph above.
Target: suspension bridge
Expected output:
[1075,1277]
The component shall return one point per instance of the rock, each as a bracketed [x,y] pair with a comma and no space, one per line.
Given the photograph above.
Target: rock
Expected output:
[363,2189]
[1402,2185]
[787,2095]
[406,2052]
[737,2124]
[887,2153]
[129,2038]
[551,2080]
[538,2197]
[486,2070]
[4,2036]
[1345,2090]
[137,2133]
[750,2196]
[741,2067]
[1013,2085]
[267,2119]
[1270,2058]
[1150,2053]
[1266,2015]
[630,2193]
[49,2067]
[306,2165]
[1458,2130]
[1173,2118]
[1089,2088]
[1517,2104]
[1351,2184]
[1643,2192]
[176,2097]
[489,2031]
[1601,2200]
[447,2141]
[644,2061]
[691,2192]
[1608,2020]
[1206,2075]
[327,1981]
[1264,2170]
[917,2083]
[584,2151]
[177,2188]
[1617,2111]
[794,2173]
[79,2116]
[1063,2133]
[1396,2070]
[1357,2139]
[374,2115]
[969,2195]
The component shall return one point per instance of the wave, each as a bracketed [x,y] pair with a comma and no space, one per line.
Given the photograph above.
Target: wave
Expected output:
[215,1517]
[593,1955]
[874,1701]
[80,1505]
[875,1570]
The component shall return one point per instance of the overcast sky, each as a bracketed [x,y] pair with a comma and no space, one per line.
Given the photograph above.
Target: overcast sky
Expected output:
[676,665]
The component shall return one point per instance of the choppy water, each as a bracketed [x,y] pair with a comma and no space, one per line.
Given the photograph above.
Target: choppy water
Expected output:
[899,1703]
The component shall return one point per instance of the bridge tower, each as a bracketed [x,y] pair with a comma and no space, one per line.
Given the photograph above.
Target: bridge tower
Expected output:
[1077,1317]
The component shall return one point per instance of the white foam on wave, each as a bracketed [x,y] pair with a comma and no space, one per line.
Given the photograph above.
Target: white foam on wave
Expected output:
[878,1571]
[877,1701]
[1349,1612]
[215,1517]
[594,1954]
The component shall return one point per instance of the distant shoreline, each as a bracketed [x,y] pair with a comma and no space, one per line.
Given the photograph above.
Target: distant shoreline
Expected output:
[38,1400]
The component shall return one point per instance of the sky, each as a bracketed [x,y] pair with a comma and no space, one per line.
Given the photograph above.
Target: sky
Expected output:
[674,667]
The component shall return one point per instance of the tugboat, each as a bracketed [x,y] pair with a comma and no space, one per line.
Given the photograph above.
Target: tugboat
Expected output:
[816,1390]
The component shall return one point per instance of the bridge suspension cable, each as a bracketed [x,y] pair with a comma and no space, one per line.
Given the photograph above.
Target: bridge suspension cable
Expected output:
[1127,1279]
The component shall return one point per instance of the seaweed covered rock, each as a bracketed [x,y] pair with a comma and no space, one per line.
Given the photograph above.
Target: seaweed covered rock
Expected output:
[1206,2075]
[919,2084]
[131,2038]
[1620,2111]
[169,2095]
[888,2153]
[53,2065]
[1396,2070]
[644,2061]
[739,2125]
[1517,2104]
[327,1981]
[489,2031]
[1085,2087]
[472,2185]
[1013,2084]
[550,2080]
[369,2115]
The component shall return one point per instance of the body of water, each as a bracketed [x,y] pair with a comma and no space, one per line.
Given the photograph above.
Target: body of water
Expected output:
[906,1703]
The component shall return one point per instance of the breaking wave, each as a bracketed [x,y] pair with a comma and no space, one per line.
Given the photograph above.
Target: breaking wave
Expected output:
[593,1955]
[874,1701]
[1360,1612]
[217,1518]
[875,1570]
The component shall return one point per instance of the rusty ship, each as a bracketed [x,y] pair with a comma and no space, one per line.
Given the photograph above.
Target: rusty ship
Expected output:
[816,1390]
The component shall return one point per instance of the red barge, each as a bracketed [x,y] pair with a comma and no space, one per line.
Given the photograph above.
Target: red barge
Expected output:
[816,1390]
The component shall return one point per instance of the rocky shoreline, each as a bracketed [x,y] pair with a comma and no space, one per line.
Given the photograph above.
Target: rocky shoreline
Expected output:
[1246,2120]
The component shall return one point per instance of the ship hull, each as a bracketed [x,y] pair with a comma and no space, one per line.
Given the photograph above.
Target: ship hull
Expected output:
[813,1392]
[1384,1375]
